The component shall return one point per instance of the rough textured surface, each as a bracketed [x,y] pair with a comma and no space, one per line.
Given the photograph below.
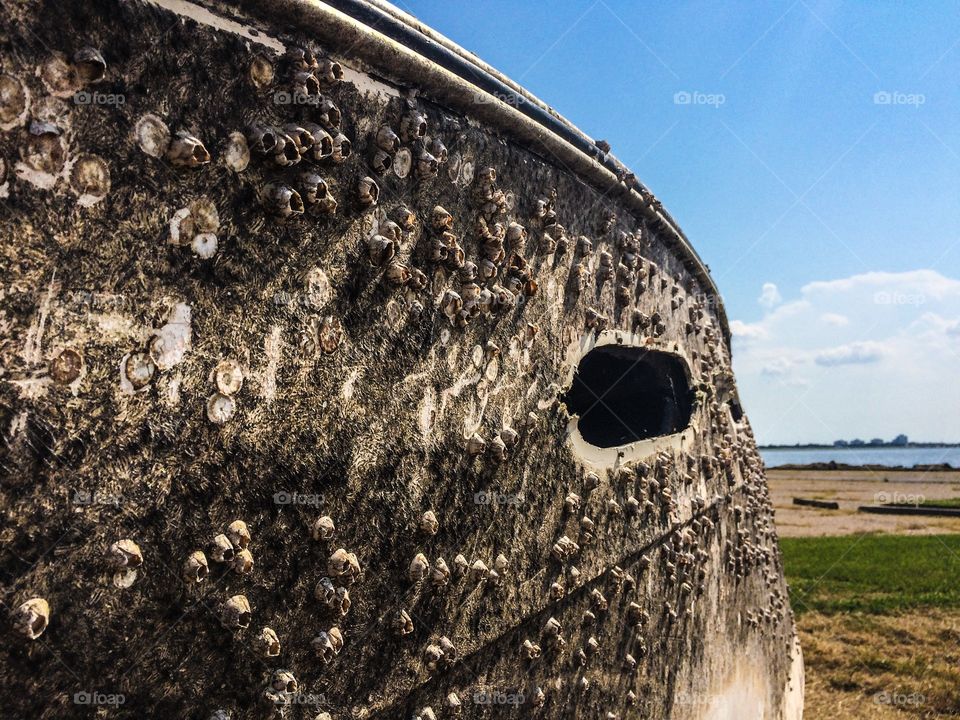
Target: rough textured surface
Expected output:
[361,399]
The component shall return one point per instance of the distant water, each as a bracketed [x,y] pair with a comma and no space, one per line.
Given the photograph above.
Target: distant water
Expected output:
[907,456]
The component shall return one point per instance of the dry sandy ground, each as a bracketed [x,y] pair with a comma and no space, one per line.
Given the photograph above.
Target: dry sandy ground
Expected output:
[866,667]
[861,667]
[852,488]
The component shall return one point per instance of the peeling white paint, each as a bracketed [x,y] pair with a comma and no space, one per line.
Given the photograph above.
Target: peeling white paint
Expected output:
[427,411]
[172,342]
[42,180]
[32,352]
[368,86]
[272,351]
[347,390]
[171,393]
[205,17]
[32,388]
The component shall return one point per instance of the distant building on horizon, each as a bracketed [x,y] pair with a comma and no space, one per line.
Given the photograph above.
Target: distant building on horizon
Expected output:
[899,441]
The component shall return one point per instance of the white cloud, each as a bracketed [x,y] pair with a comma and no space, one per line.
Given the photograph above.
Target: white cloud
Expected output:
[871,355]
[856,353]
[835,319]
[769,296]
[924,282]
[778,367]
[746,331]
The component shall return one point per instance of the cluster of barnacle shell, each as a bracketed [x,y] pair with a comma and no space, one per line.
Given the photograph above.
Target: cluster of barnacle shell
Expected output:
[335,599]
[232,548]
[441,652]
[328,644]
[181,149]
[480,293]
[44,126]
[439,574]
[166,349]
[196,226]
[344,566]
[282,688]
[499,446]
[125,559]
[228,379]
[287,146]
[280,149]
[31,618]
[409,150]
[308,142]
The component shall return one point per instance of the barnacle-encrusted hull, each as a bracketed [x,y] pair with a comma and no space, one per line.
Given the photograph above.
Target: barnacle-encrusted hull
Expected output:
[310,268]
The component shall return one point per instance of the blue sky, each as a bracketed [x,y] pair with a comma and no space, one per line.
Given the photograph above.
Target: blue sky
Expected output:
[816,170]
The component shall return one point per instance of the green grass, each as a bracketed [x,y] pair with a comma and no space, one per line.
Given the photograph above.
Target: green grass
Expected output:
[872,573]
[947,503]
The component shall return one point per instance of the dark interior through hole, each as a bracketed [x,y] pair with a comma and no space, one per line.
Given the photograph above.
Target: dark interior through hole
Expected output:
[736,412]
[623,394]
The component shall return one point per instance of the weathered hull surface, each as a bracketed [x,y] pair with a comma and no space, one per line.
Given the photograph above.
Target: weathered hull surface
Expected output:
[485,454]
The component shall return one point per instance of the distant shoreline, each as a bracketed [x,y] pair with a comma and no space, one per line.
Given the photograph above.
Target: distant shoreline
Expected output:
[865,446]
[831,465]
